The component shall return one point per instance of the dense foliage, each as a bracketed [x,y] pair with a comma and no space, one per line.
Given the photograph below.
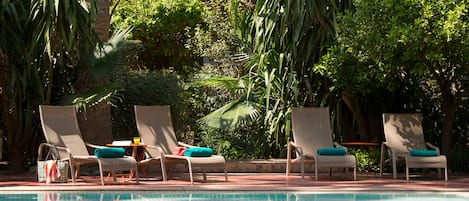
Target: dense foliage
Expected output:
[147,88]
[259,58]
[414,51]
[163,27]
[51,54]
[286,38]
[41,44]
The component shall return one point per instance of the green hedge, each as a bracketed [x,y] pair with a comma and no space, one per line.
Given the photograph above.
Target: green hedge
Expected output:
[146,88]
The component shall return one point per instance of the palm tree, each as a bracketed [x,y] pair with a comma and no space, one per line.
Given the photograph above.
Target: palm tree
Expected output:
[288,37]
[40,66]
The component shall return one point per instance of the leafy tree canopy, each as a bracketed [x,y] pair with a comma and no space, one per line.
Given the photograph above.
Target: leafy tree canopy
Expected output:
[381,43]
[163,27]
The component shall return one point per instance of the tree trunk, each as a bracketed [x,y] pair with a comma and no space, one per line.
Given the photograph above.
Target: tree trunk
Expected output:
[13,155]
[449,111]
[4,72]
[16,151]
[359,116]
[103,19]
[16,141]
[96,123]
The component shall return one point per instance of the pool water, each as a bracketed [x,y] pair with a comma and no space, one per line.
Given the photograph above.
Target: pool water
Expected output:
[230,196]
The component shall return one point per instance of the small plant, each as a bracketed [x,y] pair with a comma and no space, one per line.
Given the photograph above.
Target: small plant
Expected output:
[367,159]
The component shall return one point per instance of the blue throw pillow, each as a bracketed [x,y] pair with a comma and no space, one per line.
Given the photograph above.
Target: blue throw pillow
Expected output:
[198,152]
[332,151]
[109,152]
[423,152]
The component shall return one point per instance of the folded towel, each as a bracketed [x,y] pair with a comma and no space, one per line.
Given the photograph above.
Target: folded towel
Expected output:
[332,151]
[423,152]
[198,152]
[179,151]
[109,152]
[52,172]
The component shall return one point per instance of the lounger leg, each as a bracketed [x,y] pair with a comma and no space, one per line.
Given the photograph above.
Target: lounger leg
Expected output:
[302,167]
[355,173]
[381,165]
[72,172]
[226,174]
[205,175]
[446,174]
[101,172]
[189,165]
[163,170]
[288,168]
[407,173]
[316,169]
[77,171]
[394,168]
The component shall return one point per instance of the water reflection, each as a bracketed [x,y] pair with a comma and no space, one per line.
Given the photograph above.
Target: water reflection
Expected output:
[79,196]
[233,196]
[380,197]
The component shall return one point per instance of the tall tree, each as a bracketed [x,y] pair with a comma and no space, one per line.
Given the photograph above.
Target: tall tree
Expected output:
[383,43]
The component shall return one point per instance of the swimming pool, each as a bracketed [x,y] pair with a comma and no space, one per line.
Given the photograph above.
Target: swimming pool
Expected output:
[230,196]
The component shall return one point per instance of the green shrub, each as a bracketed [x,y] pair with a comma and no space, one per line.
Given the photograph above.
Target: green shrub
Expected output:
[147,88]
[163,27]
[243,143]
[367,159]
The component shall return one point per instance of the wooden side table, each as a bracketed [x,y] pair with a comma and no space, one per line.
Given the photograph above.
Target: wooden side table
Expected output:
[138,150]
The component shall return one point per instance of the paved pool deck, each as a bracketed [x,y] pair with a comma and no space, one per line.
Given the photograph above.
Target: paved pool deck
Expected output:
[366,182]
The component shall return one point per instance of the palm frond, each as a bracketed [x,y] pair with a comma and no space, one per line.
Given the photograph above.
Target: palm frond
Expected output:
[230,115]
[113,55]
[240,58]
[227,83]
[93,96]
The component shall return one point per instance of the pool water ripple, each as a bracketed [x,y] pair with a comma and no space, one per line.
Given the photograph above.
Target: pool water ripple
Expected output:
[231,196]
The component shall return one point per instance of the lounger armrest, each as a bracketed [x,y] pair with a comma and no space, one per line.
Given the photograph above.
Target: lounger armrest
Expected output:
[51,146]
[185,145]
[294,145]
[386,145]
[154,147]
[94,146]
[336,144]
[158,148]
[298,148]
[433,147]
